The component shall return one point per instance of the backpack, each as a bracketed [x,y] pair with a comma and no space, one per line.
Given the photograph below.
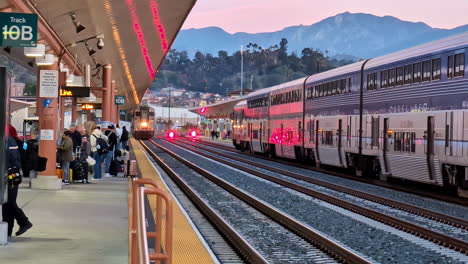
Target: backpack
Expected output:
[101,145]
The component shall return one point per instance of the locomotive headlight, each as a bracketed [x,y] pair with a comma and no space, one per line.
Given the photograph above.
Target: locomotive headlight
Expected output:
[144,124]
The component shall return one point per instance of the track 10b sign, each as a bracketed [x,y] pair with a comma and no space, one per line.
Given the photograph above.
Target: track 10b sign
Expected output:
[18,30]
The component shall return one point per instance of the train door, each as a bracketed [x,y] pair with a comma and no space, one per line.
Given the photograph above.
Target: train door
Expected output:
[260,137]
[317,129]
[375,132]
[449,133]
[386,131]
[282,136]
[430,146]
[339,141]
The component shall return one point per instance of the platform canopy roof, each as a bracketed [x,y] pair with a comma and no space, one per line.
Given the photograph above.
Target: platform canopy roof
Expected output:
[137,35]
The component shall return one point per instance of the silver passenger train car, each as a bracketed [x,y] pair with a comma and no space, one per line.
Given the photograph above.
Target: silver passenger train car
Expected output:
[402,115]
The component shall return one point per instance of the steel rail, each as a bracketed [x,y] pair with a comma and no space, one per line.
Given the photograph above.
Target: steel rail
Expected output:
[442,197]
[439,217]
[441,239]
[327,245]
[234,238]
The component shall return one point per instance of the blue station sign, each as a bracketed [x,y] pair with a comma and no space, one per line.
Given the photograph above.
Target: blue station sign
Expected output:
[18,30]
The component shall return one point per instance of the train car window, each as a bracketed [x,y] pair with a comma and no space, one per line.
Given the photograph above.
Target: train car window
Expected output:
[137,113]
[338,87]
[255,133]
[416,72]
[450,67]
[399,74]
[349,85]
[408,74]
[459,65]
[436,69]
[426,77]
[391,78]
[151,114]
[383,79]
[369,82]
[327,137]
[343,86]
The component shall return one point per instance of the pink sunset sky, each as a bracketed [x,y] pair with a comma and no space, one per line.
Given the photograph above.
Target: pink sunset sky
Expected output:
[271,15]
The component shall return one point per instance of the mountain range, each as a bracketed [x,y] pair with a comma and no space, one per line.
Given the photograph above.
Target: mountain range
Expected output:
[344,35]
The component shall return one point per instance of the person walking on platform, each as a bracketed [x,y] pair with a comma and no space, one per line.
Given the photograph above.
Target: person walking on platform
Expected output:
[112,141]
[124,137]
[76,137]
[97,133]
[66,155]
[10,210]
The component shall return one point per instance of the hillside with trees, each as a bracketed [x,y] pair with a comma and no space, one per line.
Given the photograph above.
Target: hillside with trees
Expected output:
[263,67]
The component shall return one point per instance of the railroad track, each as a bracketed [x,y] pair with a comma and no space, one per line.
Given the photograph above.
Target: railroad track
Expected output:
[336,251]
[441,239]
[430,193]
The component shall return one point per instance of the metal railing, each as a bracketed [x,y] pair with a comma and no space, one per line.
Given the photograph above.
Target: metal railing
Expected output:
[138,243]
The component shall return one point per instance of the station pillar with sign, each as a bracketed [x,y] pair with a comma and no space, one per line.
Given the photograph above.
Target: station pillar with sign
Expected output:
[106,92]
[47,102]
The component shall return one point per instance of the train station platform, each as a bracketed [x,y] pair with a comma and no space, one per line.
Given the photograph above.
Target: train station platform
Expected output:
[188,245]
[81,223]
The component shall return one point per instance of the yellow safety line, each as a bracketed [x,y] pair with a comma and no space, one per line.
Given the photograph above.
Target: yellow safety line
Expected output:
[187,247]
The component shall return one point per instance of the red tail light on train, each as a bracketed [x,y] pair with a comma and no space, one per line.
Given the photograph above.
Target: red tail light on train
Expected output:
[171,134]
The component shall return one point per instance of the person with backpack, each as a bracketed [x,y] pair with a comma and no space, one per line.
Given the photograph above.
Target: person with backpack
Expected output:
[124,137]
[66,155]
[99,149]
[10,210]
[112,142]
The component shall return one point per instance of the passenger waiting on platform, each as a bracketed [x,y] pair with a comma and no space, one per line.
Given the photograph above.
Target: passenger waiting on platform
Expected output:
[228,134]
[217,134]
[124,137]
[10,210]
[213,134]
[97,133]
[118,131]
[66,155]
[76,137]
[85,145]
[112,141]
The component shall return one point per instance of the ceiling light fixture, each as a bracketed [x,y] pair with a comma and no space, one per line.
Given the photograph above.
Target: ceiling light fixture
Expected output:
[37,51]
[47,59]
[77,23]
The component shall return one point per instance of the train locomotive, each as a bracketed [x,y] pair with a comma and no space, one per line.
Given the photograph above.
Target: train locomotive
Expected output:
[402,115]
[143,122]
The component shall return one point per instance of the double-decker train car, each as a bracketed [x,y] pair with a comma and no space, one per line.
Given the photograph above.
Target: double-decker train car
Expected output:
[402,115]
[143,122]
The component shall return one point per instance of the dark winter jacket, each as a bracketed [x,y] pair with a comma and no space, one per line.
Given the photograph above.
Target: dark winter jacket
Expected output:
[14,156]
[124,136]
[76,138]
[112,139]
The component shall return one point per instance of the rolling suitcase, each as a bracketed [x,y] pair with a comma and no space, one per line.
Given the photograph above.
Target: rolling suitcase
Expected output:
[130,168]
[113,168]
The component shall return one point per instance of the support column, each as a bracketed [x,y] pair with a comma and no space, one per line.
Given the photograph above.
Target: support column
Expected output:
[113,106]
[106,92]
[48,125]
[74,112]
[62,75]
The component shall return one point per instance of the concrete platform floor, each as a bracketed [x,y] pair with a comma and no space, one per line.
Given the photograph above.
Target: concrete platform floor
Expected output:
[82,223]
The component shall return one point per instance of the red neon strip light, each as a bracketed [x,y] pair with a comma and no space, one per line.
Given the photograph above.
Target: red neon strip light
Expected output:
[141,37]
[159,26]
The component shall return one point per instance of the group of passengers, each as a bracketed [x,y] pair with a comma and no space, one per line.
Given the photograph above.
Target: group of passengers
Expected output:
[81,145]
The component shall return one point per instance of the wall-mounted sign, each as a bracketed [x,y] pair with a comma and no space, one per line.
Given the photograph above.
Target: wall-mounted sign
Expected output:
[123,112]
[87,106]
[47,134]
[46,102]
[48,83]
[74,91]
[119,100]
[18,30]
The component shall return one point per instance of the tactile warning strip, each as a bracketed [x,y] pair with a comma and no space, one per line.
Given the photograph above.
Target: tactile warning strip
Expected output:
[187,246]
